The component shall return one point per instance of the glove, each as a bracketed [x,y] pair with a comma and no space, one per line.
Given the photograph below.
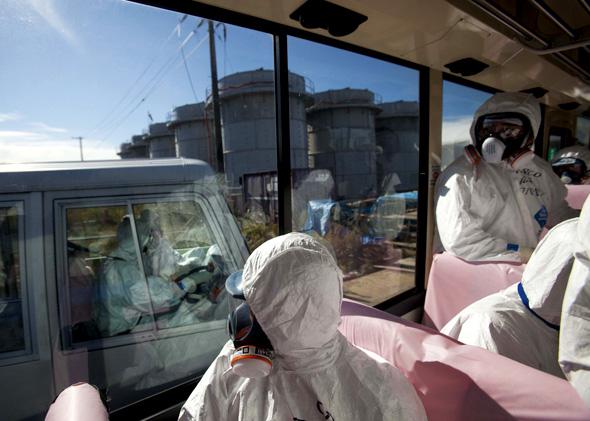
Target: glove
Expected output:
[188,285]
[525,254]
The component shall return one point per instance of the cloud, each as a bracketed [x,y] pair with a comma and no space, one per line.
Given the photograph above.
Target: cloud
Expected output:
[16,147]
[48,11]
[4,117]
[19,135]
[456,130]
[47,128]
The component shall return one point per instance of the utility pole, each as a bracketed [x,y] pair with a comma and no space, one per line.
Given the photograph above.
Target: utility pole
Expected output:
[80,143]
[215,98]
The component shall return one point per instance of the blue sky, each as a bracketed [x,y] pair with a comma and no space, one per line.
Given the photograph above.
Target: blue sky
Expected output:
[95,68]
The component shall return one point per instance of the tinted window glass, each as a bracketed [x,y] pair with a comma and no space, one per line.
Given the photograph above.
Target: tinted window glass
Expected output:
[354,154]
[145,292]
[12,325]
[583,130]
[459,106]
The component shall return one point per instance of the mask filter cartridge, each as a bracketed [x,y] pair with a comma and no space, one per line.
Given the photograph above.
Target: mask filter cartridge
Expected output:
[253,353]
[251,361]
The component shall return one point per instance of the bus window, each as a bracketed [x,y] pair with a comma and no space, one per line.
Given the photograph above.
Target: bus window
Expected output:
[356,185]
[459,105]
[13,329]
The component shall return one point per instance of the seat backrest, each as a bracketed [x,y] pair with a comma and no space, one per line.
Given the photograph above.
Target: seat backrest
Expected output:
[460,382]
[453,284]
[577,194]
[80,401]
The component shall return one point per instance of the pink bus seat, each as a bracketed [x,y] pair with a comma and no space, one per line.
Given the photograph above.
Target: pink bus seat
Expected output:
[80,401]
[460,382]
[576,195]
[453,284]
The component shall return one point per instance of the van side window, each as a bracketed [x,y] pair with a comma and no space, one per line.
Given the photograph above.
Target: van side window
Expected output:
[91,242]
[12,324]
[141,267]
[179,249]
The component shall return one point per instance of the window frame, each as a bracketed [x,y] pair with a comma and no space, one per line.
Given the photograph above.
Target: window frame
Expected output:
[128,200]
[29,352]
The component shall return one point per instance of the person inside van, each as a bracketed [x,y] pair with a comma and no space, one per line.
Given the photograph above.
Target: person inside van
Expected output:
[493,202]
[287,360]
[203,265]
[522,321]
[123,302]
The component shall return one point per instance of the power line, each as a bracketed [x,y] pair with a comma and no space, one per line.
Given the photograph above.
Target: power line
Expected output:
[188,75]
[175,30]
[157,79]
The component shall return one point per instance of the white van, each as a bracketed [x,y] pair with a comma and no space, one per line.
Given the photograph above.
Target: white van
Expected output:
[58,230]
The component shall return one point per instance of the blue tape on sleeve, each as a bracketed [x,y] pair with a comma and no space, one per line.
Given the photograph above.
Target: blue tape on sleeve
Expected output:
[512,247]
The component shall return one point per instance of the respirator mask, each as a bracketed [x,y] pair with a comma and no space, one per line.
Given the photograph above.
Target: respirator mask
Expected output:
[504,137]
[569,169]
[253,352]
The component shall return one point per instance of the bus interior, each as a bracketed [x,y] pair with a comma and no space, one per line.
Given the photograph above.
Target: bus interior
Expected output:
[226,123]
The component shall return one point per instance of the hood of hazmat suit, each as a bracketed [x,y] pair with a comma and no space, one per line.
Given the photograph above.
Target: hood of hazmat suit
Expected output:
[522,321]
[576,151]
[574,339]
[294,288]
[509,102]
[571,164]
[493,211]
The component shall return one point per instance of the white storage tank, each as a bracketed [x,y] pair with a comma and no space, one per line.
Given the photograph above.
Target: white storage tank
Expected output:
[193,131]
[247,102]
[137,148]
[342,140]
[397,129]
[161,141]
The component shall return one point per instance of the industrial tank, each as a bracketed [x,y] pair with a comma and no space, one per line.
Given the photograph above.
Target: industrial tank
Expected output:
[248,124]
[137,148]
[342,140]
[193,131]
[397,130]
[161,141]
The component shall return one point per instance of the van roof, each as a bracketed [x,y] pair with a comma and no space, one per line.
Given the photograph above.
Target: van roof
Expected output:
[99,174]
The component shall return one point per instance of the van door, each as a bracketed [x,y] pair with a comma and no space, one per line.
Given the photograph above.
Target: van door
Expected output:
[141,291]
[26,388]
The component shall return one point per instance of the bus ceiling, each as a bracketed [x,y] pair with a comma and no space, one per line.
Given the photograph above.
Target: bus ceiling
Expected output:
[524,44]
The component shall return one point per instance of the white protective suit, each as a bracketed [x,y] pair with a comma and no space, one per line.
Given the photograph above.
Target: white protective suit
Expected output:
[123,302]
[294,288]
[574,338]
[492,211]
[502,323]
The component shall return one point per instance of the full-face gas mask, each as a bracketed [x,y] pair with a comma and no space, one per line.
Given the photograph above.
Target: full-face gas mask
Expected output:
[569,169]
[502,137]
[253,352]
